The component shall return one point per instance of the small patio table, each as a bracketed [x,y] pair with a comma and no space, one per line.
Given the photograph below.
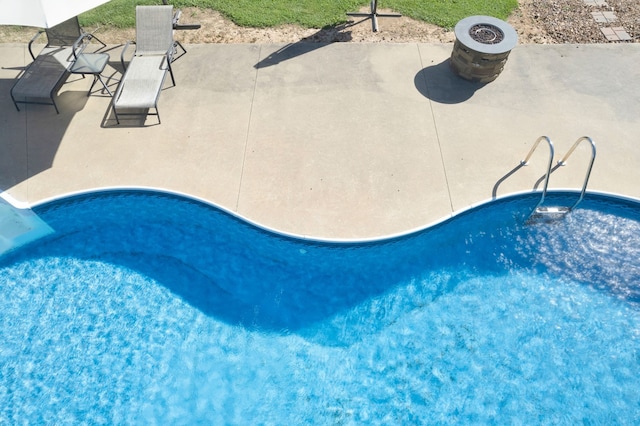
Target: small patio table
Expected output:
[94,64]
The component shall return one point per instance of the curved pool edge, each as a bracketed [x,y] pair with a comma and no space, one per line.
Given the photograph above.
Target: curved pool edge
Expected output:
[310,238]
[166,297]
[4,195]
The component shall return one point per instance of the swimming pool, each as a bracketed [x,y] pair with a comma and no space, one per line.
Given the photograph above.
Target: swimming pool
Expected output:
[147,307]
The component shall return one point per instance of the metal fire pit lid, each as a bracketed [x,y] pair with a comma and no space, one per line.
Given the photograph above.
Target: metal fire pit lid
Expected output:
[486,34]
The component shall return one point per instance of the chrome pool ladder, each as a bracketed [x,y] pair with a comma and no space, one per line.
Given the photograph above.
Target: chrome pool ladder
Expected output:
[553,212]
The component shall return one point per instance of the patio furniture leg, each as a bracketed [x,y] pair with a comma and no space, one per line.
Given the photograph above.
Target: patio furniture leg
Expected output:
[14,101]
[96,78]
[115,112]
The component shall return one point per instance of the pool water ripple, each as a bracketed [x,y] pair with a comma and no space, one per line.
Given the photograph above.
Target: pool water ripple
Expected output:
[149,308]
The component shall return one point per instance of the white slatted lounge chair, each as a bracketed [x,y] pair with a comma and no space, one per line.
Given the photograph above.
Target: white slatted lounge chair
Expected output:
[42,79]
[144,77]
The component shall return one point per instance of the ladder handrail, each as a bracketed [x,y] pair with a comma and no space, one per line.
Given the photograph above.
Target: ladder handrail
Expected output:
[551,154]
[593,158]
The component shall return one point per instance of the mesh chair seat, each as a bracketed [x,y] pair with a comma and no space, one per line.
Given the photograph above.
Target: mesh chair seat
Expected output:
[43,76]
[144,77]
[41,79]
[142,83]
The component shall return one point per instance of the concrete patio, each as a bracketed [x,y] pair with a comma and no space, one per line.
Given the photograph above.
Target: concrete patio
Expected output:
[344,140]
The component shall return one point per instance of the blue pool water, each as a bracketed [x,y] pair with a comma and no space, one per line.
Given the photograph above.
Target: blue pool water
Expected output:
[149,308]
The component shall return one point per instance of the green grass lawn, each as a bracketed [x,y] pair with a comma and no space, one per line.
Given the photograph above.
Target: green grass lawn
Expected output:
[307,13]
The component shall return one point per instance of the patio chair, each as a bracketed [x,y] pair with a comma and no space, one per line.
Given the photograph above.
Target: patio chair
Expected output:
[145,74]
[41,80]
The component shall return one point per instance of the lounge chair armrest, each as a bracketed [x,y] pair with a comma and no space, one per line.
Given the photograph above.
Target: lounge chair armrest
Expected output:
[124,50]
[169,55]
[166,57]
[178,26]
[176,17]
[33,39]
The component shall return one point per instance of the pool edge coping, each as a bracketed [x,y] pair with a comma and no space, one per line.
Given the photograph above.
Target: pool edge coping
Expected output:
[25,205]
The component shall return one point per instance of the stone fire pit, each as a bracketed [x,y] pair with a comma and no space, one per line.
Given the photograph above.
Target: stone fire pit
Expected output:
[482,46]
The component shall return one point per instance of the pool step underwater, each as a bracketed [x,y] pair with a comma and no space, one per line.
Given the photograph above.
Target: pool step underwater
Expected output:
[19,226]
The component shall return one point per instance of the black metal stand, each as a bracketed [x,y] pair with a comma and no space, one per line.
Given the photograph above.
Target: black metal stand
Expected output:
[373,15]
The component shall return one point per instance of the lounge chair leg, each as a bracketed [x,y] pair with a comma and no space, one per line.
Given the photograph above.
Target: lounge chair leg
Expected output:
[116,114]
[176,45]
[173,80]
[14,102]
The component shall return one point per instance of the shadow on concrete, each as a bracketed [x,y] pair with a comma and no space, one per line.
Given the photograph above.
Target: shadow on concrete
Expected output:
[306,45]
[440,84]
[134,117]
[31,136]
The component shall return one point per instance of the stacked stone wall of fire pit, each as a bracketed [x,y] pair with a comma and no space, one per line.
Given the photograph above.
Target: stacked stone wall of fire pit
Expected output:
[482,46]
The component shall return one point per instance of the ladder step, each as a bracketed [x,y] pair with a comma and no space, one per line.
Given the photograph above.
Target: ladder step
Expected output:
[19,226]
[559,210]
[548,214]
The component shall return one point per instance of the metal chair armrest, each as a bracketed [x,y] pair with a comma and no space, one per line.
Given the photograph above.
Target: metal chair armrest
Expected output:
[176,17]
[124,49]
[33,39]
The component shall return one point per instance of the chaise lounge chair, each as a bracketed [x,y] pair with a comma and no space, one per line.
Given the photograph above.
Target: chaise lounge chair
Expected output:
[41,80]
[144,77]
